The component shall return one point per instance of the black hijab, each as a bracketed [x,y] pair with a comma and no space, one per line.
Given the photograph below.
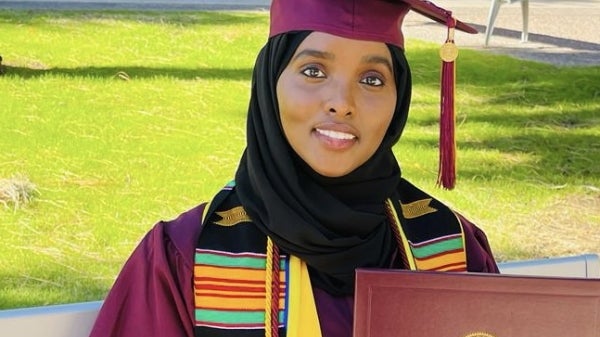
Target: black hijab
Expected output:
[334,224]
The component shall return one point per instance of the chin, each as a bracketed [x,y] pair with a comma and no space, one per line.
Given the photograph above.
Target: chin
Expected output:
[332,172]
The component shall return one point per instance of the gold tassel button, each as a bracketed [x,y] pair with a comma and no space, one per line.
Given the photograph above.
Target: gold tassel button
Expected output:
[449,52]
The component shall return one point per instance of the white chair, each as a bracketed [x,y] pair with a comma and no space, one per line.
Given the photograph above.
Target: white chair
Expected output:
[584,265]
[61,320]
[495,8]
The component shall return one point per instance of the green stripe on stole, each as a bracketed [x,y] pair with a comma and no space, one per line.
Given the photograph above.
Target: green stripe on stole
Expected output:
[229,261]
[238,318]
[437,247]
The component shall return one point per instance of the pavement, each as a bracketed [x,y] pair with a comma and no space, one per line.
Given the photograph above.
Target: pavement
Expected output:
[561,32]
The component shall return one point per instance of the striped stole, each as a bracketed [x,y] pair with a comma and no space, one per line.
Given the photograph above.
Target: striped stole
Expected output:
[431,231]
[229,289]
[231,278]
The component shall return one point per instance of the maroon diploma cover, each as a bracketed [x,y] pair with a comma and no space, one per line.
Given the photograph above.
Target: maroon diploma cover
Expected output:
[399,303]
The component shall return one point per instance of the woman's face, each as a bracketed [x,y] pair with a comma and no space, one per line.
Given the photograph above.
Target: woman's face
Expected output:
[336,99]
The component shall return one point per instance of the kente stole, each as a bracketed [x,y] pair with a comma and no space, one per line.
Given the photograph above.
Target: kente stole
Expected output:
[230,271]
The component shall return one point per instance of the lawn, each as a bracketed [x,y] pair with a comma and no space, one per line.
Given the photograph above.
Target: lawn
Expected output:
[112,121]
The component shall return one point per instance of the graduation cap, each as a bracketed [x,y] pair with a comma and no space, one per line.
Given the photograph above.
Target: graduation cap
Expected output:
[381,20]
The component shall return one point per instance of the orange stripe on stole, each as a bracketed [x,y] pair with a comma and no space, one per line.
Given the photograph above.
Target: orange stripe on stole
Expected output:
[226,288]
[454,259]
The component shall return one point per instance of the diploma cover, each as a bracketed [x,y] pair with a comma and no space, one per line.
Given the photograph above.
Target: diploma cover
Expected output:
[400,303]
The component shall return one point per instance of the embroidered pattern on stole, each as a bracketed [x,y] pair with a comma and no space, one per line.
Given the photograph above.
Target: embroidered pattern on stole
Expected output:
[229,289]
[417,208]
[233,216]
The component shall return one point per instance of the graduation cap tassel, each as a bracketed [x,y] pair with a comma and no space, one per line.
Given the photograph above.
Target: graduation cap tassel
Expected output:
[447,163]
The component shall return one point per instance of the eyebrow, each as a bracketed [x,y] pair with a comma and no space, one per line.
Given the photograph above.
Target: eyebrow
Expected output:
[330,56]
[315,53]
[378,60]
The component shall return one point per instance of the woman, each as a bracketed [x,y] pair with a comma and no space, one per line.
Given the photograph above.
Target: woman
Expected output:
[317,194]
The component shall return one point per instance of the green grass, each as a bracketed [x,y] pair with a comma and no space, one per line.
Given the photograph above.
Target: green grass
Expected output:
[121,119]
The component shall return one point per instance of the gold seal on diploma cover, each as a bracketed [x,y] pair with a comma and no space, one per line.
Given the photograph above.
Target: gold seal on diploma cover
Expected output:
[479,334]
[449,52]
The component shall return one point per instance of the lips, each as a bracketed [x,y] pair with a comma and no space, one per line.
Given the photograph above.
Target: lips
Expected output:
[335,134]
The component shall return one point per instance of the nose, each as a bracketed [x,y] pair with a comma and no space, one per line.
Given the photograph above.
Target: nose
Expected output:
[340,99]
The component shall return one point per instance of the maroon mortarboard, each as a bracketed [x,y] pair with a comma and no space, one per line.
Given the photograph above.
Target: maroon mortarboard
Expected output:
[381,20]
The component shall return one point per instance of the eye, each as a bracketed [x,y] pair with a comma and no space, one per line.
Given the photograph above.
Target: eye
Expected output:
[372,80]
[313,71]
